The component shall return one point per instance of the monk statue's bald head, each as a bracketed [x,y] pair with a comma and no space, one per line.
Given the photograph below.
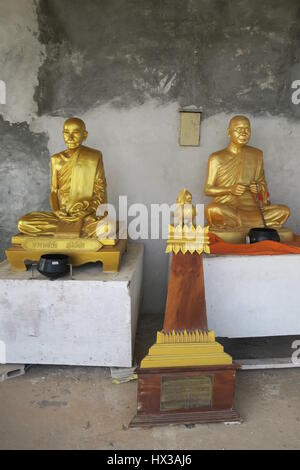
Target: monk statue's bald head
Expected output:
[74,132]
[239,130]
[75,120]
[238,119]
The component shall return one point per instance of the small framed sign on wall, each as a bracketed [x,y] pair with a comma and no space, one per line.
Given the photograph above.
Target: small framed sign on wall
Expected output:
[189,128]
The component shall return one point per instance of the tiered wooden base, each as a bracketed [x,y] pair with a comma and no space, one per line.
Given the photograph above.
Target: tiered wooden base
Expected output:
[185,395]
[80,251]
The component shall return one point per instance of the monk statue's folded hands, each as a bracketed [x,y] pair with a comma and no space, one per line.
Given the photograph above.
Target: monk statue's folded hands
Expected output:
[81,206]
[238,189]
[255,188]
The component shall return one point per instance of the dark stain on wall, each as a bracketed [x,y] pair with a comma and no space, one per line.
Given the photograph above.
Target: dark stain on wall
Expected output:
[222,55]
[24,176]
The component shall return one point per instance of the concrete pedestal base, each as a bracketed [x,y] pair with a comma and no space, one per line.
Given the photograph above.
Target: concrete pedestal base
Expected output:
[90,320]
[249,296]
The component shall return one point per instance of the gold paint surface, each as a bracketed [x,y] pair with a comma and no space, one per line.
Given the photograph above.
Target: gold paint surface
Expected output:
[184,235]
[195,336]
[78,187]
[187,392]
[236,182]
[68,230]
[186,348]
[61,244]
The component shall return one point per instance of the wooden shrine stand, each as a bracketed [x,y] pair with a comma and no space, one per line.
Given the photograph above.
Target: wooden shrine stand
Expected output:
[186,376]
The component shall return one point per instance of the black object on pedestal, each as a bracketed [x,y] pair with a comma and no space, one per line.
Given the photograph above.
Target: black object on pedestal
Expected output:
[54,265]
[263,234]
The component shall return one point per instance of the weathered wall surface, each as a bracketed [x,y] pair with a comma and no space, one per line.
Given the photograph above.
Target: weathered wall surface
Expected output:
[126,67]
[24,156]
[217,54]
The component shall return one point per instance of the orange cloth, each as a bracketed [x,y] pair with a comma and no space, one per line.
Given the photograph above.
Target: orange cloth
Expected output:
[219,247]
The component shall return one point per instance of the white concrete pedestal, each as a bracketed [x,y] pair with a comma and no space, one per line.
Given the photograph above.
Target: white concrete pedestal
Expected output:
[249,296]
[90,320]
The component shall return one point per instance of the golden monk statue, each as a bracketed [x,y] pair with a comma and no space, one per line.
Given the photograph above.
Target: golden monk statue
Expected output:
[236,181]
[78,187]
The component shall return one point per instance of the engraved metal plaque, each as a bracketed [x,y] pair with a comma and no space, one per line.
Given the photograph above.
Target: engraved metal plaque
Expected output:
[187,392]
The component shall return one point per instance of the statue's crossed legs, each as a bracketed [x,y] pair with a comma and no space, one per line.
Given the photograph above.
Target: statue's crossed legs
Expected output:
[223,217]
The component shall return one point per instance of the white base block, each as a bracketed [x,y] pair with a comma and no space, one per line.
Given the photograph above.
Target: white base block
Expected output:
[253,295]
[90,320]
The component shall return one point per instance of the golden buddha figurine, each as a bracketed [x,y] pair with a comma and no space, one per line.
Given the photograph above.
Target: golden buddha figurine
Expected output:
[185,234]
[184,212]
[236,181]
[78,188]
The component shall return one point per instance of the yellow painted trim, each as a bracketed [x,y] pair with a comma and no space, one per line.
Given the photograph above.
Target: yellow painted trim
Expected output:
[188,239]
[177,349]
[195,336]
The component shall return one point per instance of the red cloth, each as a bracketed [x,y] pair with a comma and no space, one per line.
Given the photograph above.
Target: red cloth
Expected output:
[219,247]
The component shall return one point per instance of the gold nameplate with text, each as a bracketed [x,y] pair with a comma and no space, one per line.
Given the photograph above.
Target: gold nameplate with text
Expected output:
[62,243]
[59,244]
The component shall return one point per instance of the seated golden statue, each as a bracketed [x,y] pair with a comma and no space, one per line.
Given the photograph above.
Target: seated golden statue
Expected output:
[78,188]
[236,181]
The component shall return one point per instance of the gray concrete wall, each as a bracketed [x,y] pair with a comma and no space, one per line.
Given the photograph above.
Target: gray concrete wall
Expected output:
[126,67]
